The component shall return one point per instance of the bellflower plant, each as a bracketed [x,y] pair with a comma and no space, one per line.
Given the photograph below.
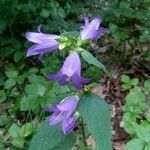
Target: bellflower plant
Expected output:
[70,71]
[44,43]
[93,112]
[92,30]
[64,113]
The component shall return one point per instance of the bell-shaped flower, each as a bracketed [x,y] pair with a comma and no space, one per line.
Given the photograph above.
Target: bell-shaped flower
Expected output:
[43,43]
[92,30]
[70,71]
[63,113]
[69,124]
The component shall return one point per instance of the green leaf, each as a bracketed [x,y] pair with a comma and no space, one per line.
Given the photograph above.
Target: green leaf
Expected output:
[92,60]
[2,96]
[1,146]
[10,83]
[126,86]
[45,13]
[18,55]
[14,130]
[35,89]
[147,85]
[135,144]
[11,73]
[135,96]
[147,147]
[135,81]
[96,115]
[125,79]
[51,138]
[18,142]
[27,129]
[29,102]
[142,133]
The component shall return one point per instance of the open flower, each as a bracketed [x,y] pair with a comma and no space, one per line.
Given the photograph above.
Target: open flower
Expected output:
[44,43]
[92,30]
[64,113]
[70,71]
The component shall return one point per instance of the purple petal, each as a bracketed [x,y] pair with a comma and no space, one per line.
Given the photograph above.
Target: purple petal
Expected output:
[95,23]
[79,81]
[71,65]
[68,105]
[45,47]
[90,31]
[56,117]
[76,81]
[68,125]
[40,37]
[86,21]
[100,32]
[85,80]
[61,78]
[54,76]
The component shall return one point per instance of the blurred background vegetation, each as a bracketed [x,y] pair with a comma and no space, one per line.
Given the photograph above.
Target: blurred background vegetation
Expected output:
[24,89]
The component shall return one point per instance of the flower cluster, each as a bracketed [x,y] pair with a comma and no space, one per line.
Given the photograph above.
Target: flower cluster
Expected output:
[70,72]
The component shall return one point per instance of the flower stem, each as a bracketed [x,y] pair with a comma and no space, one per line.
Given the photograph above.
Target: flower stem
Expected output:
[83,132]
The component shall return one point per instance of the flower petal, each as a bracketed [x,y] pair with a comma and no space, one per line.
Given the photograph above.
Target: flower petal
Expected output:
[68,125]
[79,81]
[68,105]
[95,23]
[56,117]
[90,31]
[85,80]
[75,78]
[100,32]
[61,78]
[36,37]
[71,65]
[42,48]
[54,76]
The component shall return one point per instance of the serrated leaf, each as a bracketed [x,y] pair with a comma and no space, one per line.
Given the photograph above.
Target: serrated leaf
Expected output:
[2,96]
[135,144]
[14,130]
[126,86]
[92,60]
[11,73]
[51,138]
[35,89]
[18,142]
[142,133]
[18,55]
[10,83]
[29,102]
[135,81]
[27,129]
[135,96]
[125,79]
[147,85]
[96,116]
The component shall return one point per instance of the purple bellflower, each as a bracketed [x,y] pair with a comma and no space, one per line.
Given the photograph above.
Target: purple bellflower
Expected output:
[44,43]
[92,30]
[70,71]
[63,113]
